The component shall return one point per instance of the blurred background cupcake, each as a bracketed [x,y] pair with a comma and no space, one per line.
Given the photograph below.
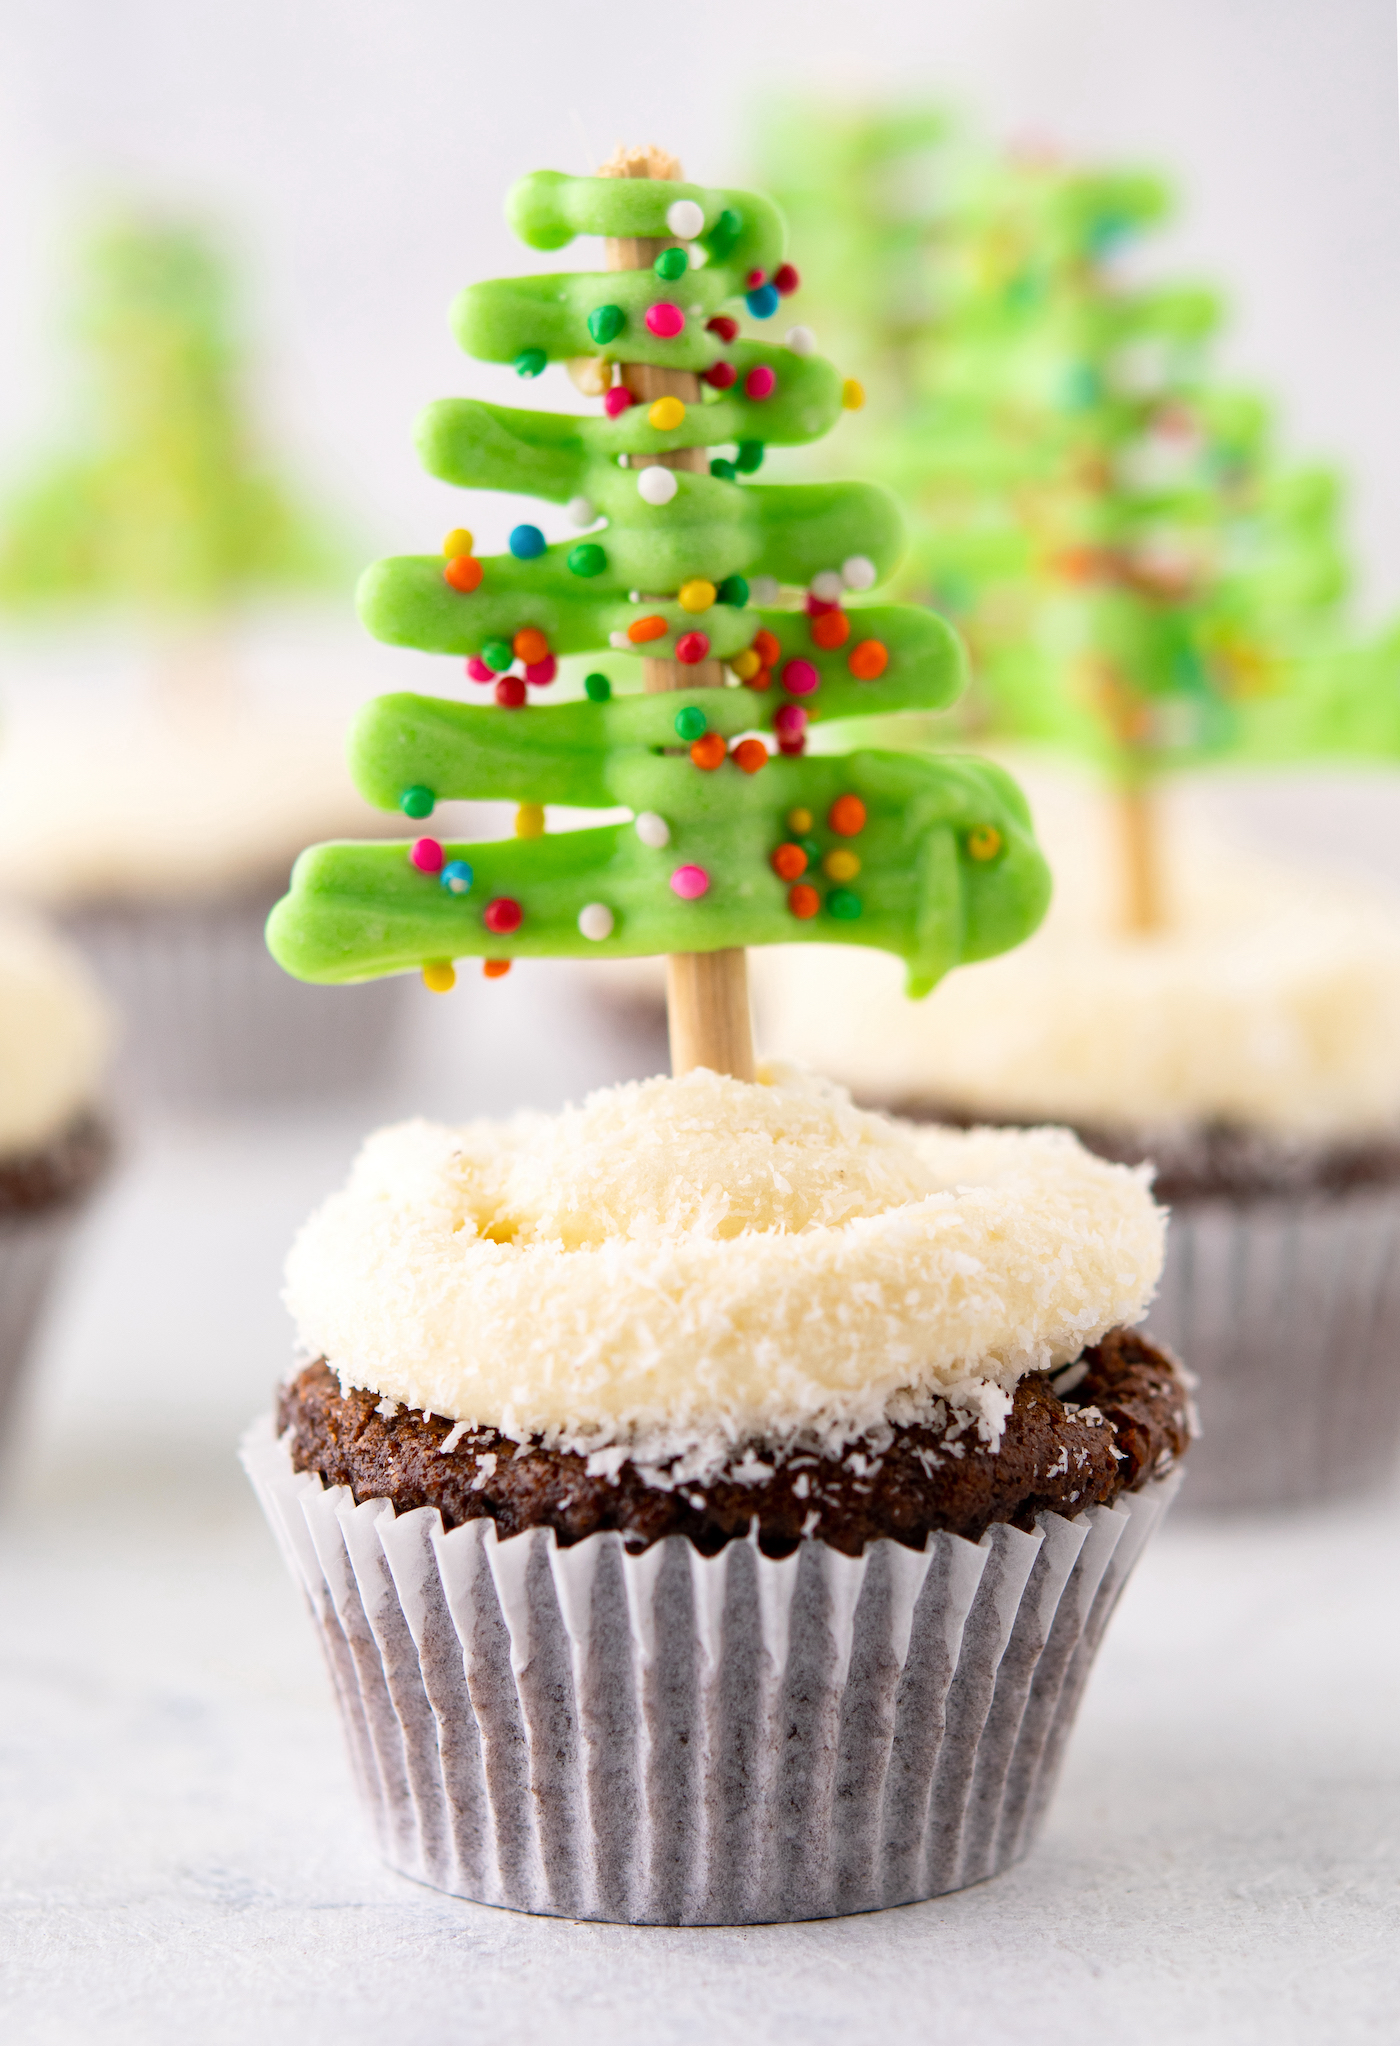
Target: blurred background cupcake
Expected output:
[1148,591]
[173,720]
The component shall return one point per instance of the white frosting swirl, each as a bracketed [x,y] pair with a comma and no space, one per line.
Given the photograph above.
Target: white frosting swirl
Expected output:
[55,1033]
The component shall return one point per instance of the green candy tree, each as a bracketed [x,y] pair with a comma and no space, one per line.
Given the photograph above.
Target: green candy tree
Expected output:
[744,607]
[1141,581]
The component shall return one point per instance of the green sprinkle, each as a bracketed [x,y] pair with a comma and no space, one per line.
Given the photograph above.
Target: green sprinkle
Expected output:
[417,801]
[597,688]
[691,723]
[498,655]
[723,235]
[844,903]
[605,323]
[812,850]
[733,590]
[724,470]
[748,457]
[530,362]
[671,264]
[587,558]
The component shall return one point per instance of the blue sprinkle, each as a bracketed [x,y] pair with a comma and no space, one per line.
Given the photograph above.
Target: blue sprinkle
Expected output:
[456,877]
[526,543]
[764,301]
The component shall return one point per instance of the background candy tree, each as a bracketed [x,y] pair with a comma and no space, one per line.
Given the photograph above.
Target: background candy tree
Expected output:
[1141,580]
[745,608]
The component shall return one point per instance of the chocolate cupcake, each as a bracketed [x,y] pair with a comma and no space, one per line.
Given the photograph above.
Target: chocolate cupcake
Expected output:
[711,1499]
[54,1138]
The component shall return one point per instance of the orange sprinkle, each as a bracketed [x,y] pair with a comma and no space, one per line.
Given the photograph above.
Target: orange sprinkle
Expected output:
[984,842]
[751,754]
[831,628]
[463,571]
[760,679]
[643,629]
[804,900]
[869,659]
[709,751]
[494,968]
[529,645]
[788,862]
[766,647]
[846,816]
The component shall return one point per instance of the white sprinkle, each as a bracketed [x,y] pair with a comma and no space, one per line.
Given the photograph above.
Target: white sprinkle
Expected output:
[828,586]
[1066,1380]
[619,639]
[763,589]
[801,340]
[652,829]
[387,1407]
[858,572]
[685,219]
[656,485]
[449,1442]
[811,1523]
[595,921]
[582,510]
[485,1470]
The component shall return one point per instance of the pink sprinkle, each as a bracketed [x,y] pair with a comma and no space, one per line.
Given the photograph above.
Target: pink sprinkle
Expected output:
[800,678]
[760,382]
[689,883]
[790,722]
[692,647]
[617,400]
[477,670]
[426,855]
[541,672]
[754,279]
[665,320]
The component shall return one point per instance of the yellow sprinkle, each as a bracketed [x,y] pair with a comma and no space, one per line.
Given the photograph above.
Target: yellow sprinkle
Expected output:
[799,822]
[440,976]
[852,394]
[529,820]
[459,541]
[841,865]
[666,413]
[984,842]
[745,664]
[697,595]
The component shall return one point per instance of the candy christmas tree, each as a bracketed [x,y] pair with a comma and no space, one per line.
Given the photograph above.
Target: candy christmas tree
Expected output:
[164,505]
[738,835]
[1140,580]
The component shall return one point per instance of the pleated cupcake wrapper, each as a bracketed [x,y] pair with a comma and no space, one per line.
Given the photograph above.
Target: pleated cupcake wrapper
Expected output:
[31,1249]
[211,1022]
[673,1739]
[1288,1312]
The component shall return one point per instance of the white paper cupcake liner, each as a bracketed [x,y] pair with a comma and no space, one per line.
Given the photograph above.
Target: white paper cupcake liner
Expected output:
[210,1021]
[673,1739]
[1288,1312]
[31,1248]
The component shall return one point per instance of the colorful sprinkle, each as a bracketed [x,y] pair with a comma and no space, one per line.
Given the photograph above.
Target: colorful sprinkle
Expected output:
[832,629]
[868,660]
[643,629]
[588,558]
[539,674]
[719,376]
[690,883]
[652,829]
[529,820]
[754,278]
[725,471]
[852,398]
[789,862]
[463,572]
[766,647]
[858,572]
[605,323]
[595,922]
[671,264]
[418,801]
[733,590]
[828,586]
[841,865]
[983,842]
[529,644]
[724,327]
[597,688]
[803,900]
[801,340]
[510,692]
[790,722]
[495,969]
[590,374]
[726,231]
[502,915]
[750,755]
[745,664]
[846,816]
[748,456]
[459,541]
[439,976]
[692,647]
[477,670]
[581,510]
[798,822]
[656,485]
[457,877]
[786,279]
[665,320]
[691,723]
[531,362]
[666,414]
[761,681]
[685,219]
[697,595]
[617,400]
[526,543]
[709,752]
[800,678]
[760,382]
[498,655]
[426,855]
[763,301]
[844,904]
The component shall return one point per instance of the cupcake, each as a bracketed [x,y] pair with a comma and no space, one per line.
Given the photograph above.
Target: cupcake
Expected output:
[1248,1048]
[711,1499]
[54,1138]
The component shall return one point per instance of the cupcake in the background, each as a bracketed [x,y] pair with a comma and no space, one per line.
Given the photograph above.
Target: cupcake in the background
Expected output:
[1250,1048]
[55,1140]
[157,818]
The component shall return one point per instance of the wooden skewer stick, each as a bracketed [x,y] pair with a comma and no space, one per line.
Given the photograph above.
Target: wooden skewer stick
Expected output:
[707,993]
[1143,908]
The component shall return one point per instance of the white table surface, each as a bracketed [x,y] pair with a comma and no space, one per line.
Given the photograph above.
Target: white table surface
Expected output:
[181,1856]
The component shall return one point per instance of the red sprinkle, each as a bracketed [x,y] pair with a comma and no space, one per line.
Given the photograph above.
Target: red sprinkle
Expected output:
[510,692]
[815,606]
[792,747]
[617,400]
[540,673]
[754,279]
[722,325]
[786,279]
[502,915]
[692,647]
[790,722]
[760,382]
[720,375]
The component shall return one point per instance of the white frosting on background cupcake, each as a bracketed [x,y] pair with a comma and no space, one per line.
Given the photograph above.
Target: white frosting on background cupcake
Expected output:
[685,1265]
[55,1034]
